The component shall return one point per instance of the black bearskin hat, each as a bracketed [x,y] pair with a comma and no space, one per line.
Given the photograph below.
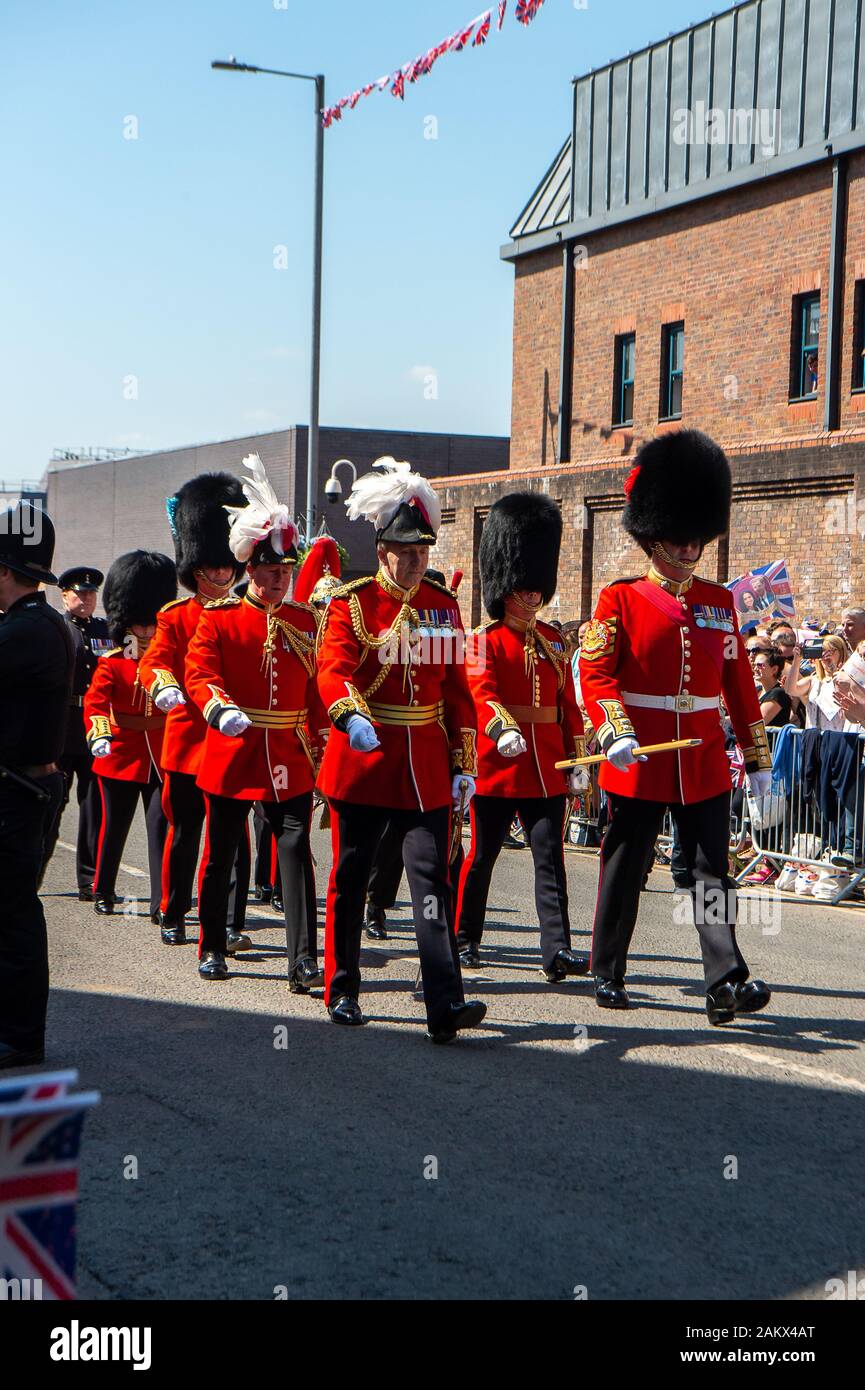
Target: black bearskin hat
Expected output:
[138,585]
[679,490]
[199,524]
[519,548]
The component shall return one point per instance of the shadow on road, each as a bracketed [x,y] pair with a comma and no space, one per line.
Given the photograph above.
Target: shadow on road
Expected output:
[556,1166]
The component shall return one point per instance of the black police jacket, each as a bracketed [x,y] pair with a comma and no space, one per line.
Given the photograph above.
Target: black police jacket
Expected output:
[36,666]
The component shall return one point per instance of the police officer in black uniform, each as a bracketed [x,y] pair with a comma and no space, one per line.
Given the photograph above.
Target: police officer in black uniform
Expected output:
[90,638]
[36,664]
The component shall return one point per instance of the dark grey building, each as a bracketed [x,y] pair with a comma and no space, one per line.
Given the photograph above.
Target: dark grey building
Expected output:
[101,508]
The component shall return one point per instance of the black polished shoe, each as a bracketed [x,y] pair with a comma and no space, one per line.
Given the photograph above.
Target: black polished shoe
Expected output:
[172,933]
[470,956]
[306,975]
[276,902]
[346,1011]
[261,893]
[156,918]
[609,995]
[727,1000]
[19,1057]
[455,1018]
[236,941]
[511,842]
[567,962]
[104,906]
[85,894]
[212,966]
[375,923]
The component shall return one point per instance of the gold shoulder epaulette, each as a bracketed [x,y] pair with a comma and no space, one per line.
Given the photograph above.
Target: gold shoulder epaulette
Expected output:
[304,607]
[436,585]
[345,589]
[230,601]
[175,603]
[115,651]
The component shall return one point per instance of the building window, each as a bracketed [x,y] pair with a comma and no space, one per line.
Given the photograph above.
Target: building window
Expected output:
[672,362]
[806,337]
[623,388]
[859,337]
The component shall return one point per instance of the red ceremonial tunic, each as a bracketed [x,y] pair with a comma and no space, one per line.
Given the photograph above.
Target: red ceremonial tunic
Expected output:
[118,707]
[644,641]
[398,657]
[523,681]
[163,667]
[229,668]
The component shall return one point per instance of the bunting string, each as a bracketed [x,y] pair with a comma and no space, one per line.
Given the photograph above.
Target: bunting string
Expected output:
[472,35]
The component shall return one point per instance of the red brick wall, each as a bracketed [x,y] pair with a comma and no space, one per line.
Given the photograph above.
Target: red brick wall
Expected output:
[803,504]
[729,266]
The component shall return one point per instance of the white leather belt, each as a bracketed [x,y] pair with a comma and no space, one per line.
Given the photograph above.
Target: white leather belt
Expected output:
[677,704]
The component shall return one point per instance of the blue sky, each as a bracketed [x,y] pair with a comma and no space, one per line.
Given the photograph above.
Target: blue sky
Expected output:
[139,303]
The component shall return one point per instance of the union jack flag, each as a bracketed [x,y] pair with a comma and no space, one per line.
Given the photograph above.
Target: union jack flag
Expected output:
[527,9]
[40,1138]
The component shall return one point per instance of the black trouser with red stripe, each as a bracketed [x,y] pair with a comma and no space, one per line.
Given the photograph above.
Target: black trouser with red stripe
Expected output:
[266,861]
[543,820]
[356,832]
[89,816]
[183,804]
[704,837]
[119,800]
[227,826]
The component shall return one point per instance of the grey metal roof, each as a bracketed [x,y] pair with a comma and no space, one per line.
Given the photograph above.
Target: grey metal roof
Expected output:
[797,58]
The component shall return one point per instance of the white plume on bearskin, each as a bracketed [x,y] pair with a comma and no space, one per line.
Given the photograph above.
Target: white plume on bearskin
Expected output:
[378,495]
[264,515]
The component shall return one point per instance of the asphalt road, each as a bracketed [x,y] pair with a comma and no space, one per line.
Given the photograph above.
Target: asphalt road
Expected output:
[558,1148]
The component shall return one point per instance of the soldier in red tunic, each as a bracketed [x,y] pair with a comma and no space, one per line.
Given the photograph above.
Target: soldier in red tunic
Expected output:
[124,729]
[205,566]
[250,669]
[391,673]
[660,654]
[528,720]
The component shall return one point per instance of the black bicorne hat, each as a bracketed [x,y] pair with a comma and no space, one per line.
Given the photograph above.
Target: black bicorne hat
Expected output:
[27,542]
[138,585]
[409,525]
[200,523]
[519,548]
[679,490]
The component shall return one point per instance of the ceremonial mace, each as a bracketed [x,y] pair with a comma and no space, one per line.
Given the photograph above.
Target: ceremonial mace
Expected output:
[672,747]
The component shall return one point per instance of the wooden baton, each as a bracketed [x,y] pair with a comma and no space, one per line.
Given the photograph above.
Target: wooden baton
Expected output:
[650,748]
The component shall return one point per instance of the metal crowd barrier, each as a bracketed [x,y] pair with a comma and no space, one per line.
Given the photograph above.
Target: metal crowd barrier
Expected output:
[815,817]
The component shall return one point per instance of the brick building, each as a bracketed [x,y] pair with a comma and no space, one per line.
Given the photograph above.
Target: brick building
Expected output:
[695,257]
[103,506]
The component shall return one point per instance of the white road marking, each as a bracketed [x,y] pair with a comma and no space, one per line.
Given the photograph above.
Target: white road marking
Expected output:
[817,1074]
[127,868]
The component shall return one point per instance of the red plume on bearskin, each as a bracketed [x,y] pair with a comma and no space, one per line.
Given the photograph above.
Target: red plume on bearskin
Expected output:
[322,558]
[456,580]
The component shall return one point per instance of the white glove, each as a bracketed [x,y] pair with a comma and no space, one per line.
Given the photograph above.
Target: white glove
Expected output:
[511,744]
[361,735]
[759,783]
[456,793]
[621,753]
[169,699]
[578,781]
[233,723]
[101,747]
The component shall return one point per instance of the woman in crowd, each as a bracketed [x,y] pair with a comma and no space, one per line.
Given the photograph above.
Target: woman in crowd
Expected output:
[817,692]
[775,703]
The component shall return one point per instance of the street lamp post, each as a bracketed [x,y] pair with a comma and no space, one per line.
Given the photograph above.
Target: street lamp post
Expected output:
[312,451]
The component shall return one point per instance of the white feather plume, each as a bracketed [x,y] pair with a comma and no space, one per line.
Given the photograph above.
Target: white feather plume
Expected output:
[263,515]
[377,495]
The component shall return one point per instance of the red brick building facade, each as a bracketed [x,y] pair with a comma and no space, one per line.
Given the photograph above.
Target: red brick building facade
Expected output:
[730,245]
